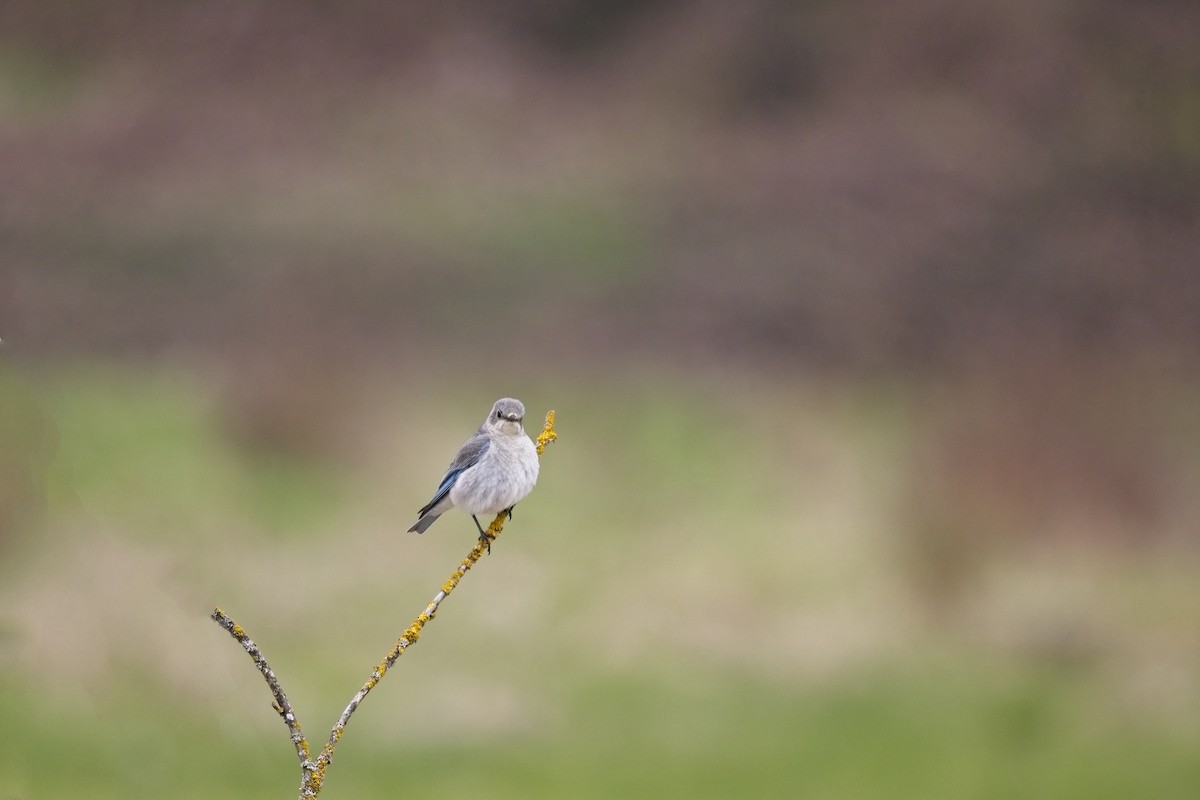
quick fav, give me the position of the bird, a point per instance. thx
(493, 471)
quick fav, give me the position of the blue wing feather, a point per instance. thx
(467, 457)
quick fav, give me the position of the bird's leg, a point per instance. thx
(509, 511)
(483, 537)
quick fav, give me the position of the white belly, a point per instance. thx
(504, 476)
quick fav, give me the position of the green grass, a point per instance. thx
(890, 733)
(670, 615)
(150, 451)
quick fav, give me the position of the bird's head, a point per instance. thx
(506, 417)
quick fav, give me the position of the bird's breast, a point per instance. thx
(504, 476)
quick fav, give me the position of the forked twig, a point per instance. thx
(313, 771)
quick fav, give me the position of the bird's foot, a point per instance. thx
(484, 536)
(509, 511)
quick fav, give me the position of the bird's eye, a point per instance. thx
(499, 414)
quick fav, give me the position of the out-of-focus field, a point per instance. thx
(697, 601)
(873, 329)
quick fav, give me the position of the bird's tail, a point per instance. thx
(422, 524)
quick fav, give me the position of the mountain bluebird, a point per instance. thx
(493, 471)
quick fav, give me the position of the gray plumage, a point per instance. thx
(494, 470)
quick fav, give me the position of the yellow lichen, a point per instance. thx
(315, 779)
(547, 435)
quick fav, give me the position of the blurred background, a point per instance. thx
(873, 330)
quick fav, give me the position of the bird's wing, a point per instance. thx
(468, 456)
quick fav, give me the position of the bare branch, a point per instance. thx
(313, 772)
(409, 637)
(281, 704)
(413, 632)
